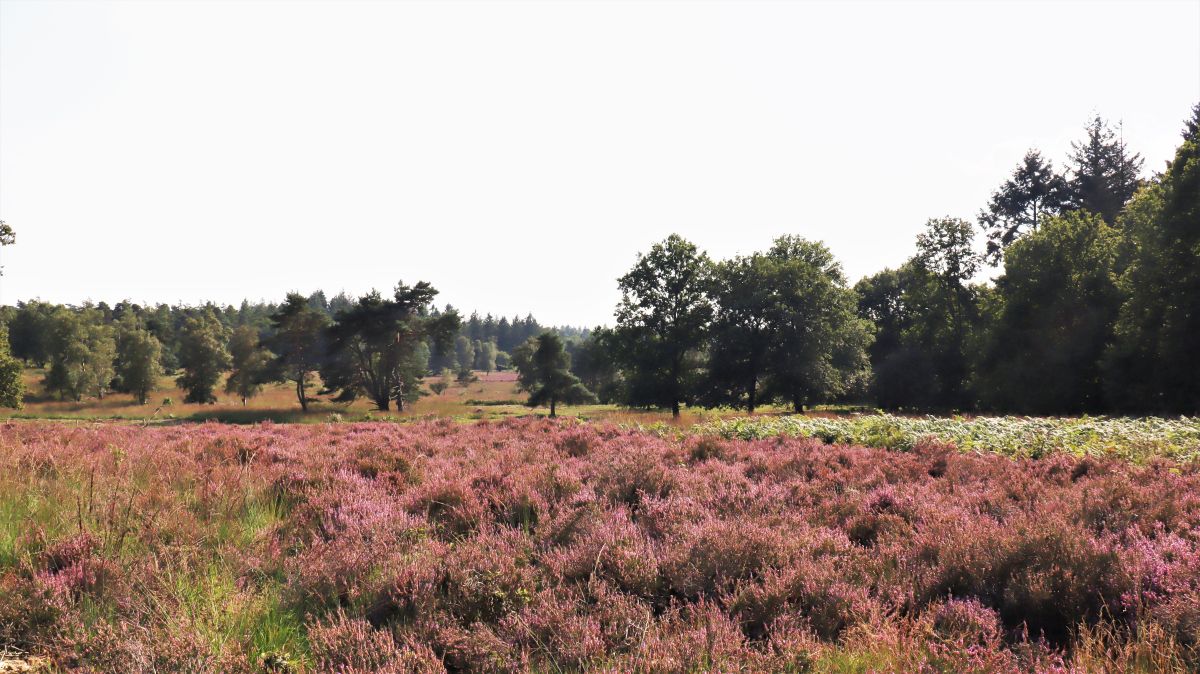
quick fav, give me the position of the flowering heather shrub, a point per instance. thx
(538, 546)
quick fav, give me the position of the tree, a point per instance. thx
(927, 319)
(298, 340)
(139, 360)
(884, 301)
(594, 362)
(661, 324)
(1058, 302)
(945, 308)
(544, 371)
(1153, 364)
(503, 360)
(485, 355)
(202, 356)
(1103, 175)
(742, 332)
(464, 353)
(12, 385)
(7, 238)
(250, 362)
(818, 344)
(29, 332)
(82, 352)
(380, 348)
(1022, 203)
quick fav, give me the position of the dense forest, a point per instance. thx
(1093, 307)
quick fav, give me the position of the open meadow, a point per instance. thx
(493, 396)
(536, 545)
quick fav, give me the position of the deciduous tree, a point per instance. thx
(662, 321)
(1153, 365)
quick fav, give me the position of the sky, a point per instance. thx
(518, 156)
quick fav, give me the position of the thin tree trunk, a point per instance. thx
(552, 408)
(675, 409)
(300, 394)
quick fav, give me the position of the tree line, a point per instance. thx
(1095, 308)
(321, 346)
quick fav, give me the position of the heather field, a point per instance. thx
(529, 545)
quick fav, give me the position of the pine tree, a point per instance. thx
(544, 371)
(1104, 176)
(1022, 202)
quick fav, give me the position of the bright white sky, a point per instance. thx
(518, 156)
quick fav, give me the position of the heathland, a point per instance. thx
(538, 545)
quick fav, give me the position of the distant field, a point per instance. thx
(494, 396)
(533, 546)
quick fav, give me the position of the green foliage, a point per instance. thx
(1104, 175)
(82, 351)
(544, 371)
(818, 344)
(12, 386)
(380, 348)
(485, 355)
(1138, 440)
(594, 361)
(139, 360)
(1022, 203)
(464, 353)
(1154, 363)
(1058, 300)
(298, 341)
(662, 321)
(250, 362)
(29, 331)
(927, 317)
(443, 382)
(203, 357)
(503, 360)
(743, 330)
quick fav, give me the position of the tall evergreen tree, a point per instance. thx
(544, 371)
(1103, 174)
(202, 356)
(1033, 192)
